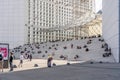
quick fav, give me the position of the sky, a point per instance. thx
(98, 5)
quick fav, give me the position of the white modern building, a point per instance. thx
(111, 26)
(28, 21)
(44, 15)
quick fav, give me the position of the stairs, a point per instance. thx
(95, 52)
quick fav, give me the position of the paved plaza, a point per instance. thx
(84, 71)
(42, 63)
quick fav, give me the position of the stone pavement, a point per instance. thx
(85, 71)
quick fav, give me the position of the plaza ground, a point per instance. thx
(42, 63)
(78, 71)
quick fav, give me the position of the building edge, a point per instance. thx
(119, 30)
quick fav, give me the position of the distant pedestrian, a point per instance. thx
(11, 61)
(21, 60)
(71, 45)
(49, 61)
(30, 57)
(26, 56)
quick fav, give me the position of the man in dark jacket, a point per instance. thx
(11, 61)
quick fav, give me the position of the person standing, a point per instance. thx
(71, 45)
(30, 56)
(21, 60)
(11, 61)
(49, 61)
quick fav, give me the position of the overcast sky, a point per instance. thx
(98, 5)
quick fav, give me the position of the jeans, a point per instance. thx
(49, 63)
(11, 66)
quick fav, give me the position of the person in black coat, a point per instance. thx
(11, 61)
(30, 57)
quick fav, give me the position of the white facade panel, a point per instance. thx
(12, 21)
(111, 25)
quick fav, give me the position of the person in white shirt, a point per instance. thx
(21, 60)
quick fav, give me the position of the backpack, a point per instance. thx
(1, 57)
